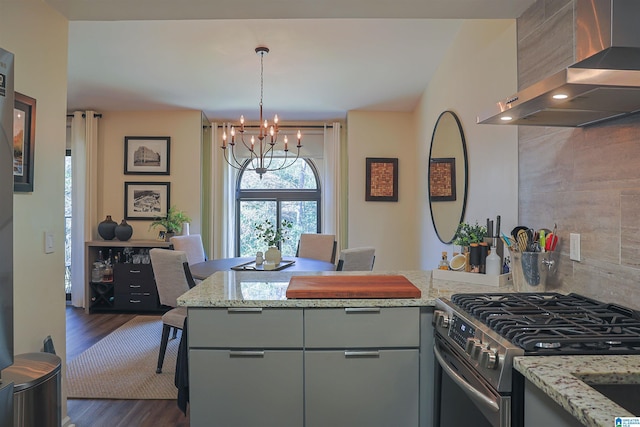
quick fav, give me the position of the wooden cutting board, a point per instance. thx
(328, 287)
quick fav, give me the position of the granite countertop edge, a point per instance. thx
(562, 379)
(222, 289)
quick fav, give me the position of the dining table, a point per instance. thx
(202, 270)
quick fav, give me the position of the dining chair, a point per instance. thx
(191, 245)
(317, 246)
(356, 259)
(173, 278)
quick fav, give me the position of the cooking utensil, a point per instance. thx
(523, 240)
(551, 243)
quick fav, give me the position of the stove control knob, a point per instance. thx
(489, 358)
(472, 347)
(441, 319)
(477, 347)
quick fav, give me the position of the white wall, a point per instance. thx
(37, 36)
(390, 227)
(185, 130)
(479, 69)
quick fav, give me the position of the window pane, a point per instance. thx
(304, 216)
(251, 213)
(298, 176)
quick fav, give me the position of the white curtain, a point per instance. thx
(84, 160)
(331, 182)
(223, 210)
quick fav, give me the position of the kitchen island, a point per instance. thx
(258, 358)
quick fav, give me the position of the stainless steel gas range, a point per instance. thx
(478, 335)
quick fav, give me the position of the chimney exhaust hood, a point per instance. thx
(602, 85)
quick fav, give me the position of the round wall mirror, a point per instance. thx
(447, 176)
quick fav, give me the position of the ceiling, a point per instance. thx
(327, 56)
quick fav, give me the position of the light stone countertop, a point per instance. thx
(562, 378)
(268, 289)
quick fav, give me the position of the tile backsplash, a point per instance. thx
(587, 180)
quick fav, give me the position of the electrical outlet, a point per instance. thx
(574, 246)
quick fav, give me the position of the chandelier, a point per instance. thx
(260, 152)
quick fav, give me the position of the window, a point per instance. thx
(292, 193)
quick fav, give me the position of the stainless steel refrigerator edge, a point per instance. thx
(6, 233)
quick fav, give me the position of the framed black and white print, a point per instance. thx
(146, 200)
(146, 155)
(24, 142)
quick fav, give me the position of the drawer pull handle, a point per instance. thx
(246, 354)
(350, 353)
(134, 286)
(244, 310)
(362, 310)
(134, 271)
(135, 301)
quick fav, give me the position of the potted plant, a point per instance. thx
(466, 234)
(172, 223)
(273, 236)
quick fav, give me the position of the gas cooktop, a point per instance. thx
(552, 323)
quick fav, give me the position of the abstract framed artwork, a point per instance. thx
(381, 179)
(24, 142)
(442, 179)
(147, 155)
(146, 200)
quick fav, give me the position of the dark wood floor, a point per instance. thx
(83, 331)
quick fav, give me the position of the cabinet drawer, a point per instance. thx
(368, 388)
(246, 388)
(371, 327)
(134, 278)
(136, 301)
(245, 328)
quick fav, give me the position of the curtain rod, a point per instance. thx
(84, 116)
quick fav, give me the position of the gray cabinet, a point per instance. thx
(542, 411)
(362, 367)
(313, 367)
(243, 388)
(246, 367)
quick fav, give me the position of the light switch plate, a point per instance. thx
(48, 242)
(574, 246)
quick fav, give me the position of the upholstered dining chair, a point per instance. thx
(191, 245)
(317, 246)
(356, 259)
(173, 278)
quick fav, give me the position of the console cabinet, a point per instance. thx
(312, 367)
(132, 286)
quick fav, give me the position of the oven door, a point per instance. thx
(462, 396)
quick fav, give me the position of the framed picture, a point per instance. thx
(146, 155)
(162, 236)
(442, 179)
(382, 180)
(146, 200)
(24, 142)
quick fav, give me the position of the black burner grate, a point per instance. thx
(552, 323)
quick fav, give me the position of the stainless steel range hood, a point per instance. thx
(603, 84)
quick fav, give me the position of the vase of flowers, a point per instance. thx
(273, 236)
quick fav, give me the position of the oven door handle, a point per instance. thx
(466, 387)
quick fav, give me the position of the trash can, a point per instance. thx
(36, 390)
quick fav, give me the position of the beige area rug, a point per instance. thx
(123, 364)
